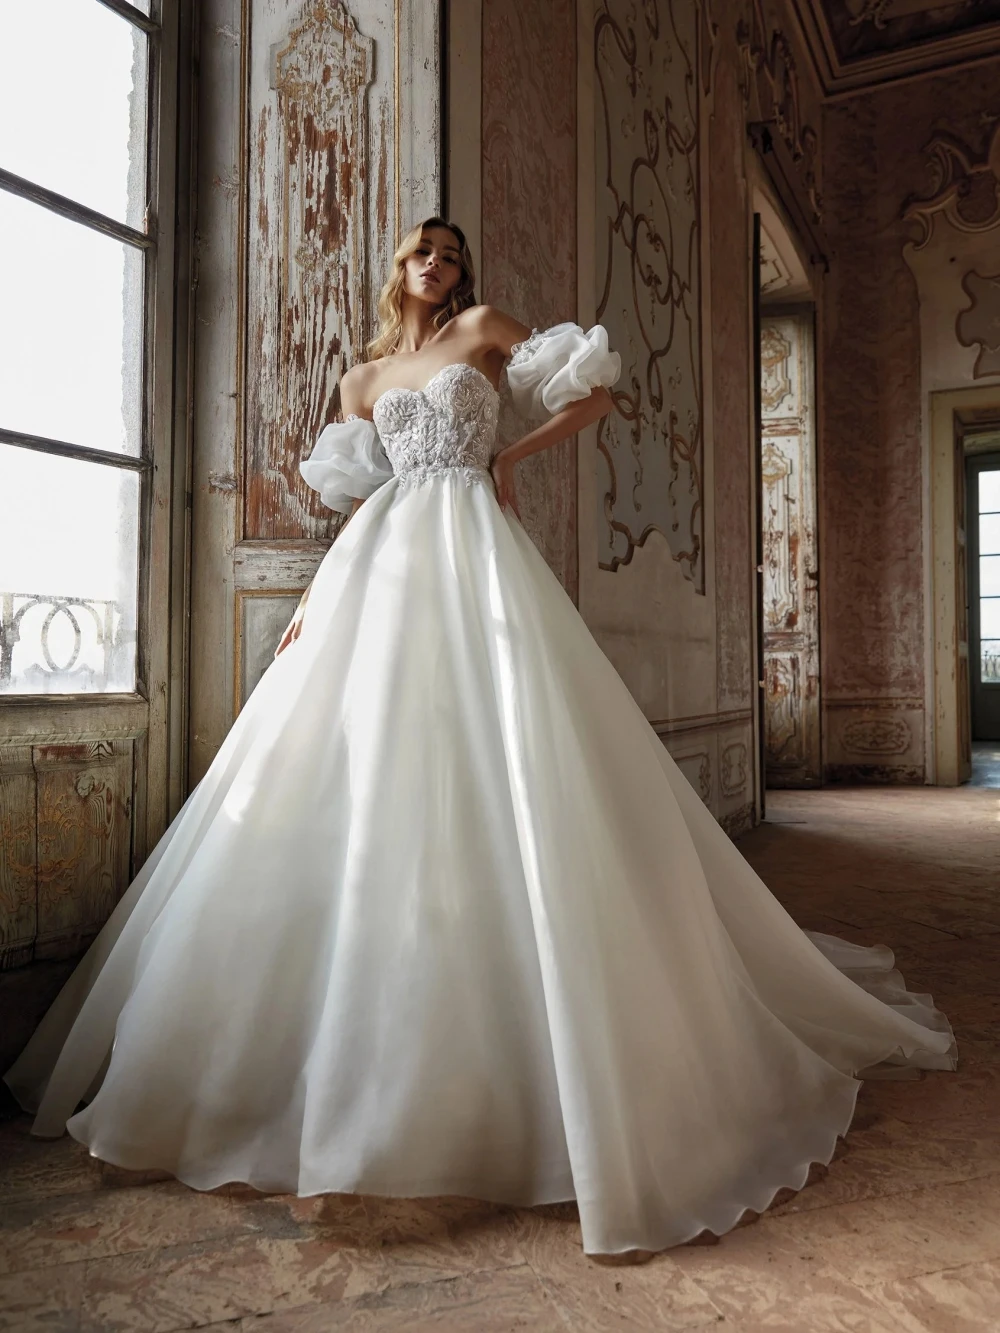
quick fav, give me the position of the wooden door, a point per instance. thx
(790, 573)
(321, 147)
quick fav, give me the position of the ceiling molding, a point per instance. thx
(915, 60)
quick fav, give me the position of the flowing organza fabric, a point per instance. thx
(444, 917)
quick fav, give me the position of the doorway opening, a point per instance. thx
(982, 506)
(965, 584)
(788, 563)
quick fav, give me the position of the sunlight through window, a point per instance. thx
(73, 277)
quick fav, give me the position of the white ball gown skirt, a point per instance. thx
(444, 917)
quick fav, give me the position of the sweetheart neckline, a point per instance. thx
(395, 388)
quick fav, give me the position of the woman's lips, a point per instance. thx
(429, 277)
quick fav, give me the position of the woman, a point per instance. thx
(444, 917)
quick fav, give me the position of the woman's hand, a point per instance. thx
(294, 628)
(292, 632)
(502, 470)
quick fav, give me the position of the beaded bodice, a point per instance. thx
(451, 423)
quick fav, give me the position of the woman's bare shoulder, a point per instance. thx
(355, 388)
(494, 326)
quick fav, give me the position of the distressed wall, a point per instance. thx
(612, 185)
(528, 263)
(677, 615)
(900, 168)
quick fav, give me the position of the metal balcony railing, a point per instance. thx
(64, 644)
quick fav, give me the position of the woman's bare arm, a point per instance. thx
(351, 404)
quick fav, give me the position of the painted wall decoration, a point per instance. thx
(965, 188)
(775, 377)
(979, 325)
(772, 93)
(866, 28)
(648, 229)
(889, 735)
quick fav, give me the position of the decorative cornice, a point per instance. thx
(839, 78)
(965, 190)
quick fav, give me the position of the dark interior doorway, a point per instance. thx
(983, 546)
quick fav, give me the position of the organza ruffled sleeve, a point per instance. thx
(559, 366)
(347, 464)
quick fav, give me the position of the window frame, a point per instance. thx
(147, 242)
(976, 596)
(155, 712)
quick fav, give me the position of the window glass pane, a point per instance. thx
(73, 102)
(989, 575)
(989, 617)
(989, 534)
(71, 332)
(990, 663)
(68, 562)
(989, 491)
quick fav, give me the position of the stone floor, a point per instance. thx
(986, 763)
(901, 1234)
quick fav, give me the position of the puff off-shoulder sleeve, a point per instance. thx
(558, 366)
(347, 464)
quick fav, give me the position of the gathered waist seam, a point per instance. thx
(421, 473)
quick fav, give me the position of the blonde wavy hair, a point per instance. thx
(390, 301)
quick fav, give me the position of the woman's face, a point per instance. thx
(434, 269)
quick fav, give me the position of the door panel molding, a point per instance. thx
(790, 550)
(321, 126)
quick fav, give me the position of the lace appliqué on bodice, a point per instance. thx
(449, 425)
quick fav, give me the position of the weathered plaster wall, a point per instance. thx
(654, 612)
(890, 337)
(678, 626)
(731, 424)
(528, 263)
(680, 633)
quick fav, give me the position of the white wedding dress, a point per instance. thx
(444, 917)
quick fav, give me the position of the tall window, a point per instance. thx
(989, 575)
(77, 245)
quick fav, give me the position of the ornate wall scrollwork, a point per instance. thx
(770, 73)
(781, 600)
(871, 11)
(965, 189)
(649, 279)
(889, 735)
(979, 324)
(733, 769)
(775, 379)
